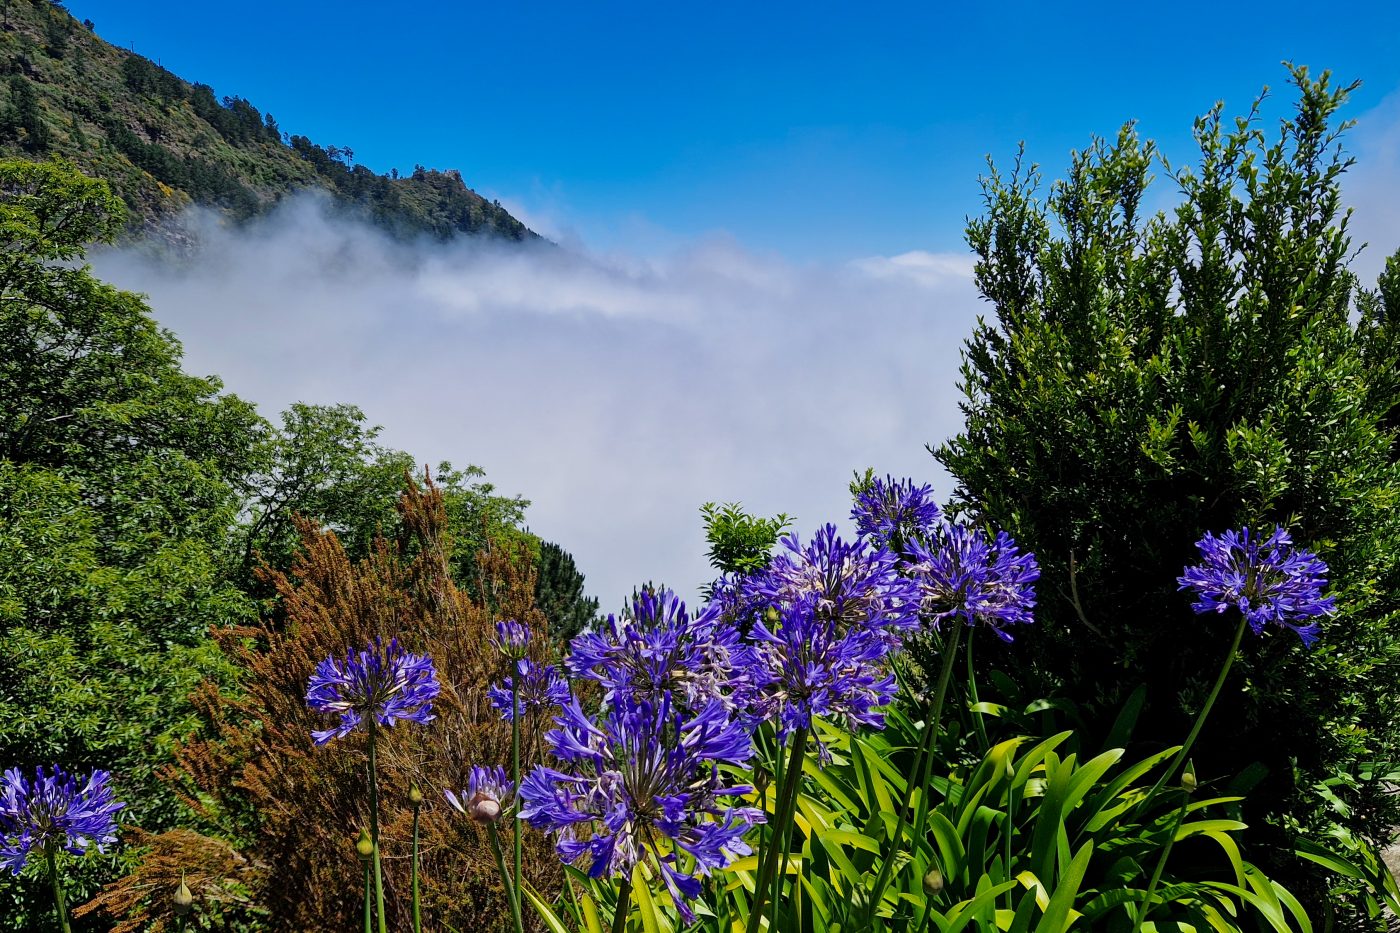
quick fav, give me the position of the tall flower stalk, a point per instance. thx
(1267, 582)
(374, 687)
(53, 811)
(835, 613)
(513, 641)
(415, 800)
(489, 794)
(965, 579)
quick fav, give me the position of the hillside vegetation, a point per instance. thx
(163, 143)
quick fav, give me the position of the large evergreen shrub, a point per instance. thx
(1150, 377)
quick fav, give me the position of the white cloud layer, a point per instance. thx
(619, 392)
(615, 392)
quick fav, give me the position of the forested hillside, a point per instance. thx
(163, 143)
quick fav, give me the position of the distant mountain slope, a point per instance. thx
(164, 143)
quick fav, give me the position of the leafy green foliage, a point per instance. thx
(117, 489)
(740, 542)
(1149, 378)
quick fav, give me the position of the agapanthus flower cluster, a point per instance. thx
(382, 681)
(660, 648)
(540, 687)
(54, 810)
(809, 666)
(489, 792)
(512, 638)
(643, 783)
(850, 584)
(893, 512)
(841, 610)
(1268, 581)
(962, 574)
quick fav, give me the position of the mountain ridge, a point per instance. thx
(164, 143)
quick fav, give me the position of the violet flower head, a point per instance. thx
(1267, 581)
(512, 638)
(643, 783)
(54, 810)
(383, 682)
(540, 688)
(963, 575)
(891, 512)
(659, 648)
(808, 665)
(851, 585)
(489, 792)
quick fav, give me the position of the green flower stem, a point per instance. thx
(786, 805)
(772, 889)
(923, 767)
(512, 898)
(58, 901)
(417, 908)
(369, 914)
(775, 784)
(515, 778)
(972, 694)
(1143, 909)
(1200, 718)
(374, 827)
(1010, 830)
(624, 905)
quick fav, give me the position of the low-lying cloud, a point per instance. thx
(617, 393)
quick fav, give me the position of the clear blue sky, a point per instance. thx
(813, 130)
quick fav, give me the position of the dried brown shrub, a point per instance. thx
(255, 765)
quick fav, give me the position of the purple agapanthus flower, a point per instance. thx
(643, 783)
(892, 513)
(808, 665)
(53, 811)
(541, 687)
(961, 574)
(1267, 581)
(512, 638)
(851, 584)
(381, 681)
(659, 648)
(489, 793)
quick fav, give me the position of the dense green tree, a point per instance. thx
(119, 481)
(559, 593)
(1148, 378)
(22, 118)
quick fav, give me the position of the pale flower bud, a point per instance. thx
(484, 809)
(933, 882)
(183, 899)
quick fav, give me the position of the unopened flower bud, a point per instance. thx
(415, 796)
(484, 809)
(365, 845)
(770, 615)
(1188, 780)
(933, 882)
(760, 780)
(183, 899)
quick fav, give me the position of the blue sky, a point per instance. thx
(818, 131)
